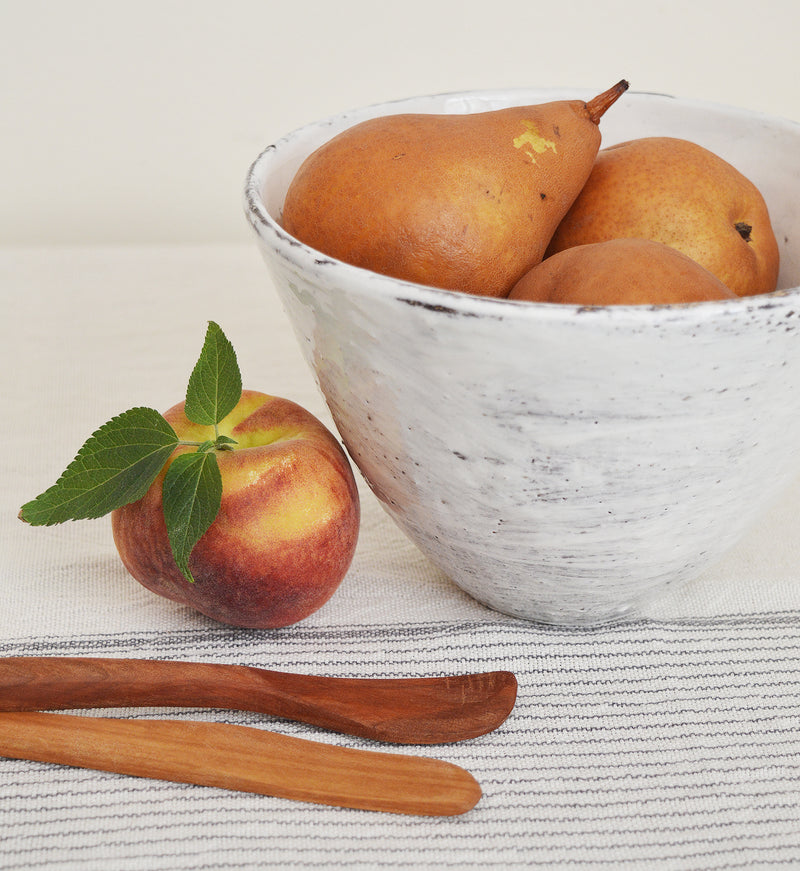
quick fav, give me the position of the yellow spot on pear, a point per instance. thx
(532, 141)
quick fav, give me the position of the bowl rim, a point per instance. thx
(454, 302)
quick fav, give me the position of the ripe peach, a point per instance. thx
(287, 527)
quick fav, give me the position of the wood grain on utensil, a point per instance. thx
(242, 758)
(428, 710)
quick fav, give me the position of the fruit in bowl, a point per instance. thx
(562, 462)
(620, 272)
(676, 192)
(473, 202)
(466, 202)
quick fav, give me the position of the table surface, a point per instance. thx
(668, 741)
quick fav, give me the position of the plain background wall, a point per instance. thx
(135, 122)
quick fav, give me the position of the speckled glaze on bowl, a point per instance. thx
(559, 464)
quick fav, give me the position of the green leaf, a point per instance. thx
(116, 465)
(191, 496)
(215, 385)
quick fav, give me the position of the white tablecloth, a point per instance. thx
(669, 741)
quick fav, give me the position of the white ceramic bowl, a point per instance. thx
(558, 464)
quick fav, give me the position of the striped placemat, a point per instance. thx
(649, 744)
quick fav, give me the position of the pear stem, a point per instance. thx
(597, 106)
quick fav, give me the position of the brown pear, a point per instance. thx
(463, 202)
(679, 193)
(620, 272)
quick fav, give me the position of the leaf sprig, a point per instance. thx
(117, 464)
